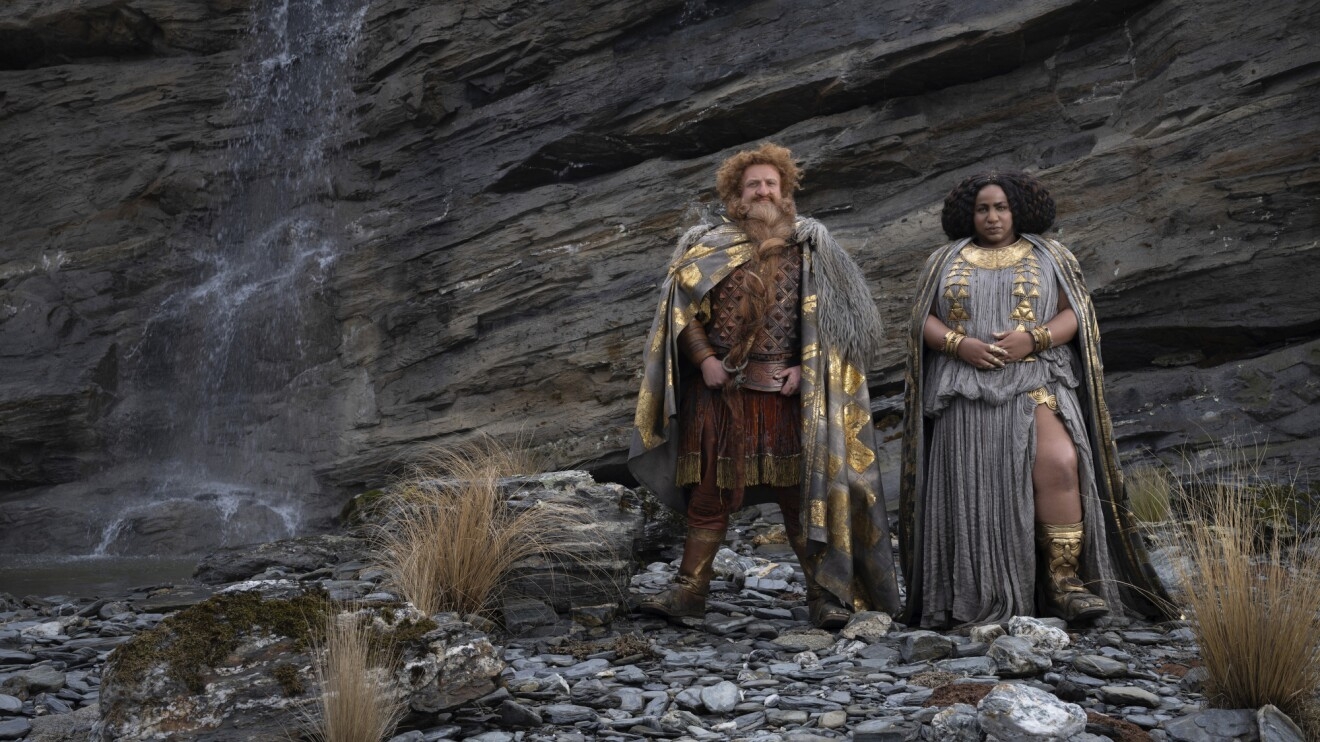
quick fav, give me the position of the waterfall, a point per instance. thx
(232, 366)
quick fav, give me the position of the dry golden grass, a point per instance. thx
(358, 701)
(450, 535)
(1148, 492)
(1251, 592)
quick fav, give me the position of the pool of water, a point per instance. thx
(89, 577)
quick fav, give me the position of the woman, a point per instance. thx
(1012, 499)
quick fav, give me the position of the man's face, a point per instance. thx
(760, 183)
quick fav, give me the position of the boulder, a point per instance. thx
(238, 665)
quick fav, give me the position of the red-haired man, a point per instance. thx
(754, 390)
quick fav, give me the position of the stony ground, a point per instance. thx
(753, 669)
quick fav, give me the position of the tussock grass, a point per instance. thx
(449, 534)
(1251, 589)
(1148, 489)
(358, 699)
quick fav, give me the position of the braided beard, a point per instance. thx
(763, 221)
(769, 226)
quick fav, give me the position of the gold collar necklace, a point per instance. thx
(996, 258)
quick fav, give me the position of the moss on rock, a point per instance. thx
(202, 636)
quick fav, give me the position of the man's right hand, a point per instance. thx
(713, 373)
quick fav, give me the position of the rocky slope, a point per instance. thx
(503, 192)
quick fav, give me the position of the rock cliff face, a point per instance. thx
(503, 190)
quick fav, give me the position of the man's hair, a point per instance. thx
(728, 180)
(1031, 204)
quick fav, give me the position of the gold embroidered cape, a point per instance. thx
(844, 515)
(1140, 586)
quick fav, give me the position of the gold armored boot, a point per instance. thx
(1062, 592)
(686, 596)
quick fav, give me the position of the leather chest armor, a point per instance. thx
(778, 341)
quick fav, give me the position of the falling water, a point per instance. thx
(233, 366)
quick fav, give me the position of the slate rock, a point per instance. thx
(17, 728)
(1127, 695)
(1100, 667)
(922, 646)
(1276, 726)
(1211, 725)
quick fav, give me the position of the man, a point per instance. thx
(754, 389)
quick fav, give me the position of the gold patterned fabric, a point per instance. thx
(843, 514)
(1047, 260)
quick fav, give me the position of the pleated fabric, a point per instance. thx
(978, 554)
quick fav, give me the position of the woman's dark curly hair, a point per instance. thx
(1031, 204)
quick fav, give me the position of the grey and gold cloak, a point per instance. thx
(1130, 575)
(843, 509)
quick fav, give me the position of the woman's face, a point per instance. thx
(992, 220)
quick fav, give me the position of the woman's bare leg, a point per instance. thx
(1054, 477)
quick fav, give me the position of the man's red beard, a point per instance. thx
(768, 224)
(769, 227)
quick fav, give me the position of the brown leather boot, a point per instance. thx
(1061, 590)
(825, 610)
(686, 596)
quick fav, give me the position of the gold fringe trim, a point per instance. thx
(689, 469)
(775, 471)
(764, 469)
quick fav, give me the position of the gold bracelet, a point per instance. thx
(1042, 338)
(952, 339)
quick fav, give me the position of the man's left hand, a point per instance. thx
(792, 378)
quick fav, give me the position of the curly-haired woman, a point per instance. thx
(1012, 500)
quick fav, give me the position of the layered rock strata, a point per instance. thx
(512, 176)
